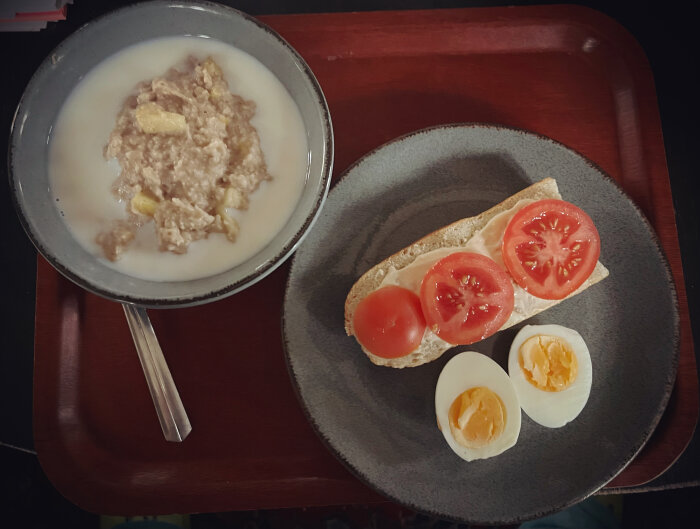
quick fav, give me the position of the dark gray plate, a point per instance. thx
(380, 422)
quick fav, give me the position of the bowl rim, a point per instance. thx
(201, 297)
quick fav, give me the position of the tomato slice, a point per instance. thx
(550, 247)
(389, 322)
(466, 297)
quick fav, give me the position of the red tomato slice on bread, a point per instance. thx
(466, 297)
(550, 247)
(389, 322)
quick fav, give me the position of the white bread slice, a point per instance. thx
(453, 235)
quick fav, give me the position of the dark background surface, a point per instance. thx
(666, 31)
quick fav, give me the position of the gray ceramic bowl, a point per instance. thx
(75, 57)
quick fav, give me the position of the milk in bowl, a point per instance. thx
(198, 234)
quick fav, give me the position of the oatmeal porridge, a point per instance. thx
(188, 152)
(187, 175)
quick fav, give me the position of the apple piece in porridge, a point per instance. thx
(188, 152)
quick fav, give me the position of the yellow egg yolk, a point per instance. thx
(477, 417)
(548, 362)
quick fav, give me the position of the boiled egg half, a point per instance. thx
(476, 406)
(551, 370)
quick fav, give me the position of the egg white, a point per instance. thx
(552, 409)
(467, 370)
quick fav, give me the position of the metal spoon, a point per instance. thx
(171, 413)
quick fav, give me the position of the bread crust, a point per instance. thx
(456, 234)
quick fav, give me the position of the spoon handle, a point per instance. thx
(171, 413)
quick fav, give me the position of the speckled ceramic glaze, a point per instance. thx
(87, 47)
(381, 422)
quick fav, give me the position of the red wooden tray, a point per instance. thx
(566, 72)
